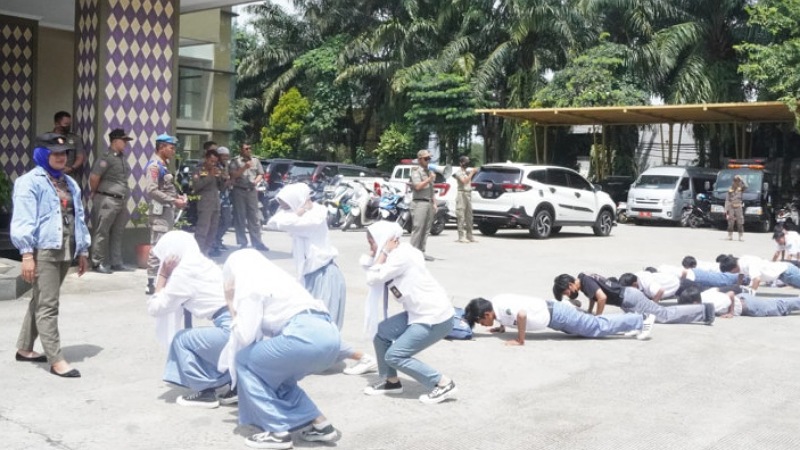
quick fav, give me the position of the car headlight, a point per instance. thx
(668, 202)
(717, 209)
(753, 211)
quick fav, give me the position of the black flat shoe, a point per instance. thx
(40, 358)
(71, 374)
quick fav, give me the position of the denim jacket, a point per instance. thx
(36, 222)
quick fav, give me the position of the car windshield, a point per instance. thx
(656, 182)
(498, 175)
(752, 180)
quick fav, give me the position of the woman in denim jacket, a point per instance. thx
(48, 228)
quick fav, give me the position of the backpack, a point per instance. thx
(461, 330)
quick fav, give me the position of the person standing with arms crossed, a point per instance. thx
(108, 183)
(76, 157)
(464, 200)
(162, 195)
(734, 207)
(206, 183)
(48, 228)
(423, 208)
(246, 172)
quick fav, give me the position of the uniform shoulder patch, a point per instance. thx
(153, 169)
(103, 163)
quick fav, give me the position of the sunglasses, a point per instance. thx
(427, 158)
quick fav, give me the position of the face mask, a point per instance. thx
(66, 129)
(573, 295)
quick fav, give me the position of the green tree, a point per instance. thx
(772, 65)
(443, 104)
(395, 144)
(281, 138)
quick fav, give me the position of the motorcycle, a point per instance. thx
(698, 214)
(622, 212)
(364, 207)
(788, 216)
(439, 219)
(338, 204)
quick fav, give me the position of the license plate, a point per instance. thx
(717, 209)
(646, 214)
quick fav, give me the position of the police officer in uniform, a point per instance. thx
(206, 182)
(226, 204)
(464, 200)
(77, 157)
(108, 182)
(162, 195)
(423, 208)
(246, 172)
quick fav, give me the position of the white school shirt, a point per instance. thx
(311, 247)
(792, 246)
(651, 283)
(200, 295)
(767, 271)
(676, 271)
(721, 302)
(507, 306)
(422, 297)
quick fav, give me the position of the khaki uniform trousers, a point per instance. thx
(205, 232)
(159, 226)
(246, 215)
(421, 221)
(109, 217)
(41, 320)
(464, 215)
(735, 215)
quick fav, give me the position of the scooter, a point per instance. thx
(364, 207)
(622, 212)
(698, 214)
(338, 204)
(439, 219)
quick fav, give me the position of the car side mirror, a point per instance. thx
(597, 188)
(707, 185)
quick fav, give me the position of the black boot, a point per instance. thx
(151, 286)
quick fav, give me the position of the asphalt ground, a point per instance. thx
(726, 386)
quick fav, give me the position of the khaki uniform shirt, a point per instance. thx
(77, 143)
(207, 186)
(114, 172)
(418, 174)
(159, 188)
(462, 187)
(247, 179)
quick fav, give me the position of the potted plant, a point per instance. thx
(5, 200)
(139, 218)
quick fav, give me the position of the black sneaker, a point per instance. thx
(439, 394)
(313, 434)
(229, 398)
(384, 388)
(151, 287)
(269, 440)
(203, 399)
(710, 313)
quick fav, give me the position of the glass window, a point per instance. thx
(656, 182)
(498, 175)
(191, 144)
(351, 171)
(557, 177)
(578, 182)
(540, 176)
(194, 94)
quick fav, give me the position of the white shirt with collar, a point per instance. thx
(766, 271)
(792, 243)
(312, 249)
(507, 306)
(650, 283)
(422, 297)
(721, 302)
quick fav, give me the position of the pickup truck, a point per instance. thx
(444, 188)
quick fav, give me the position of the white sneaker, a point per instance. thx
(439, 394)
(364, 365)
(647, 328)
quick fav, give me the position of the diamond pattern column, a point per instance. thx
(133, 62)
(17, 63)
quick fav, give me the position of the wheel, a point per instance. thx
(604, 224)
(765, 226)
(622, 217)
(555, 230)
(347, 222)
(437, 227)
(695, 221)
(542, 224)
(487, 229)
(405, 221)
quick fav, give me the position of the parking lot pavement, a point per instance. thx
(727, 386)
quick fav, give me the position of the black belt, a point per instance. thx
(108, 194)
(422, 200)
(219, 312)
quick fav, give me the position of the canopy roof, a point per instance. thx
(642, 115)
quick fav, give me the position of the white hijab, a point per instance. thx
(192, 265)
(295, 196)
(375, 308)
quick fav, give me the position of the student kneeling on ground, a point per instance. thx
(729, 304)
(534, 314)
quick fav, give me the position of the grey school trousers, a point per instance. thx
(634, 300)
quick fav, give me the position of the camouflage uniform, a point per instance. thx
(160, 192)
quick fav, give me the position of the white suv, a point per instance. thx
(539, 198)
